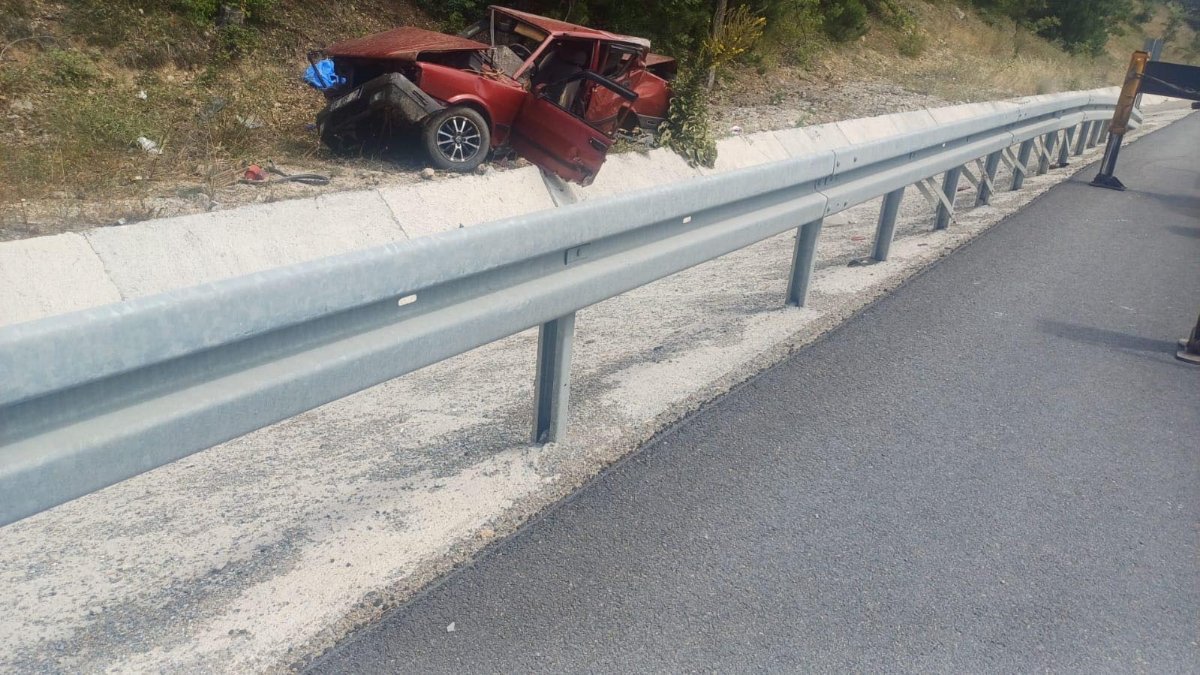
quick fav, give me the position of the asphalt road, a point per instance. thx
(996, 468)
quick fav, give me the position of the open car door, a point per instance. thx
(560, 141)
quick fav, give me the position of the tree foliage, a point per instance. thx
(1081, 26)
(687, 130)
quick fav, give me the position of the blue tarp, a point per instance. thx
(321, 75)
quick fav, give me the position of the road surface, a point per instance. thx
(996, 468)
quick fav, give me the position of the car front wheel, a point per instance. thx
(457, 139)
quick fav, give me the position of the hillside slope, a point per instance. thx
(82, 80)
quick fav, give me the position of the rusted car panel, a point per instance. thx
(562, 28)
(552, 91)
(553, 139)
(498, 98)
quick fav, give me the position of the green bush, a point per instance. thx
(204, 11)
(912, 42)
(687, 130)
(792, 35)
(1080, 26)
(15, 18)
(844, 20)
(235, 41)
(71, 69)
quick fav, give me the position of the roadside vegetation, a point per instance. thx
(215, 85)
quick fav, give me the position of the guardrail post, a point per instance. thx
(1064, 150)
(1048, 143)
(886, 230)
(1022, 165)
(1103, 137)
(1094, 136)
(803, 259)
(552, 383)
(1081, 142)
(950, 189)
(990, 165)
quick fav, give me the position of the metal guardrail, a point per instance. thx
(91, 398)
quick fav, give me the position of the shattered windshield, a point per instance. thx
(512, 41)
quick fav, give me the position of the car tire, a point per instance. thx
(457, 139)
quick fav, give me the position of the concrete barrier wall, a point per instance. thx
(52, 275)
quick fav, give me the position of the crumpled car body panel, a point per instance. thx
(521, 106)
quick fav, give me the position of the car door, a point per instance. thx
(617, 63)
(562, 142)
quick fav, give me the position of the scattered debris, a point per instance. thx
(735, 130)
(428, 173)
(250, 122)
(142, 96)
(21, 105)
(256, 175)
(858, 237)
(230, 15)
(487, 533)
(148, 146)
(451, 628)
(214, 108)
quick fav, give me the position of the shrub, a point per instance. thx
(792, 34)
(15, 18)
(71, 69)
(235, 41)
(844, 20)
(912, 42)
(204, 11)
(687, 130)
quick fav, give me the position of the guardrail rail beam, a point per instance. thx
(91, 398)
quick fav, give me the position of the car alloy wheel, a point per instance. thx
(458, 139)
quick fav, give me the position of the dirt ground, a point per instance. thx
(803, 101)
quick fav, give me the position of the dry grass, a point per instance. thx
(74, 111)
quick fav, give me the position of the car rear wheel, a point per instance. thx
(457, 139)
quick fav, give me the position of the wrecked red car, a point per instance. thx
(552, 92)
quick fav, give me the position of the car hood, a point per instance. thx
(403, 44)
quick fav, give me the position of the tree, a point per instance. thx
(718, 24)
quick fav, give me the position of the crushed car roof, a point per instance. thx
(556, 27)
(403, 44)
